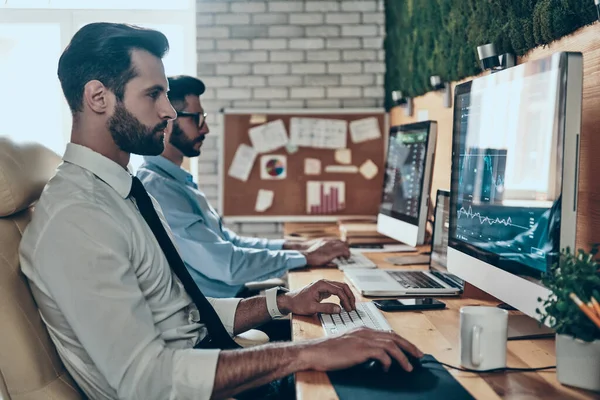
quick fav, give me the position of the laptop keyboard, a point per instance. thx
(356, 260)
(366, 314)
(415, 280)
(447, 279)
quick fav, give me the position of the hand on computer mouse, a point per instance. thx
(375, 365)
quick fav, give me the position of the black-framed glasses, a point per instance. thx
(199, 118)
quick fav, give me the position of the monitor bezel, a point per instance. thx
(440, 194)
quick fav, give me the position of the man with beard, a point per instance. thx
(220, 261)
(124, 314)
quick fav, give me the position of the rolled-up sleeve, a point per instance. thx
(226, 309)
(107, 311)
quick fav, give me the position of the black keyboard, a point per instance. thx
(415, 280)
(447, 279)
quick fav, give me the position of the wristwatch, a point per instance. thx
(271, 296)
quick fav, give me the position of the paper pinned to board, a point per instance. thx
(242, 163)
(343, 156)
(368, 169)
(364, 129)
(341, 169)
(273, 167)
(325, 197)
(318, 132)
(258, 119)
(264, 200)
(268, 137)
(312, 166)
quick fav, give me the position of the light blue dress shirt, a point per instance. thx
(219, 260)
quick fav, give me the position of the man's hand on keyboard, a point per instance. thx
(327, 251)
(307, 301)
(356, 347)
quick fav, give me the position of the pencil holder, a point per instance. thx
(578, 362)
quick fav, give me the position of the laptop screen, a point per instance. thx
(439, 242)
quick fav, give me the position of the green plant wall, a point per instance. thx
(440, 37)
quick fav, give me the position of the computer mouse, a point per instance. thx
(375, 365)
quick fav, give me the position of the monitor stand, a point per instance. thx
(523, 327)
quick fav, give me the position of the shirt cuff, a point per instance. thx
(295, 259)
(275, 244)
(194, 373)
(226, 309)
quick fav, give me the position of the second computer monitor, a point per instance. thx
(407, 182)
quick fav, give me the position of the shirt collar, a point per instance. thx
(104, 168)
(170, 168)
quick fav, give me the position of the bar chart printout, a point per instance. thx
(325, 197)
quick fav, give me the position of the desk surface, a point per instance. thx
(436, 332)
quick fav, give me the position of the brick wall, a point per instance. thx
(285, 54)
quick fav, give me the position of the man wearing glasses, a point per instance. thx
(219, 260)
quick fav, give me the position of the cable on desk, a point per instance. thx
(503, 369)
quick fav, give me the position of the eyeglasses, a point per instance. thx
(199, 118)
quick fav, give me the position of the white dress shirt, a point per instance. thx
(119, 317)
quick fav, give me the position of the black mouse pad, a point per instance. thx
(430, 381)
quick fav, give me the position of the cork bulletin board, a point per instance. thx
(362, 196)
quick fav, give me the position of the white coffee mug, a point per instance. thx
(483, 332)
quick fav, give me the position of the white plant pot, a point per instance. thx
(578, 362)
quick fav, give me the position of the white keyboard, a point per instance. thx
(366, 314)
(356, 260)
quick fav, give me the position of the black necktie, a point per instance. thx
(217, 333)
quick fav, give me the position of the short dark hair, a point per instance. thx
(181, 86)
(102, 51)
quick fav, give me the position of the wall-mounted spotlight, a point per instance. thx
(489, 58)
(444, 87)
(597, 2)
(404, 102)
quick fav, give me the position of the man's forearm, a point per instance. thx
(252, 312)
(240, 370)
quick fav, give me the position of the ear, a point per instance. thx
(97, 97)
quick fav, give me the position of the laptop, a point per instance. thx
(434, 282)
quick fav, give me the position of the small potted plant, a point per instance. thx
(577, 336)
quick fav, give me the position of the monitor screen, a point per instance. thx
(404, 170)
(439, 242)
(507, 168)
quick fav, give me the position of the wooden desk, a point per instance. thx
(436, 332)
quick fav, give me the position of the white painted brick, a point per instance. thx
(249, 81)
(382, 30)
(344, 68)
(210, 155)
(286, 6)
(285, 81)
(307, 93)
(269, 44)
(323, 103)
(323, 55)
(205, 20)
(312, 43)
(212, 32)
(359, 55)
(343, 92)
(322, 6)
(358, 80)
(373, 18)
(381, 55)
(255, 227)
(380, 5)
(289, 56)
(359, 103)
(286, 31)
(233, 44)
(210, 191)
(210, 142)
(248, 31)
(270, 69)
(203, 69)
(234, 69)
(205, 44)
(359, 30)
(206, 179)
(359, 5)
(234, 93)
(214, 57)
(249, 7)
(286, 104)
(205, 7)
(323, 31)
(343, 43)
(215, 106)
(342, 18)
(270, 93)
(375, 67)
(270, 19)
(380, 80)
(250, 104)
(321, 80)
(209, 94)
(373, 92)
(232, 19)
(372, 43)
(271, 235)
(308, 68)
(207, 167)
(307, 19)
(250, 56)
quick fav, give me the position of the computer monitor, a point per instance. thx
(513, 194)
(407, 182)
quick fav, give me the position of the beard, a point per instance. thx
(132, 136)
(180, 141)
